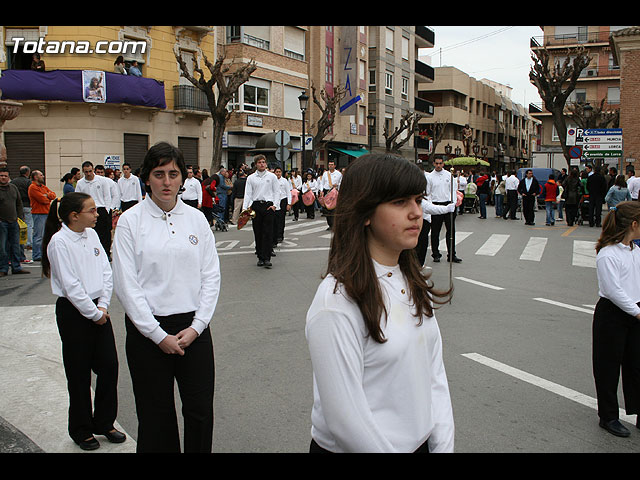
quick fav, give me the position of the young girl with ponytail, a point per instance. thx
(616, 330)
(75, 261)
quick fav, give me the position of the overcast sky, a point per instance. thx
(501, 54)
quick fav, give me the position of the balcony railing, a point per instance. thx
(425, 37)
(569, 39)
(424, 70)
(423, 106)
(188, 97)
(68, 86)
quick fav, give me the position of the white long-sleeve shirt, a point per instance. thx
(80, 270)
(325, 184)
(296, 182)
(439, 186)
(129, 189)
(284, 188)
(261, 186)
(192, 190)
(371, 397)
(165, 263)
(511, 183)
(428, 209)
(101, 190)
(618, 271)
(310, 185)
(633, 184)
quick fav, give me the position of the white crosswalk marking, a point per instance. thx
(321, 228)
(493, 244)
(584, 254)
(534, 249)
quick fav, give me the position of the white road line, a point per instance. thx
(565, 305)
(282, 250)
(534, 249)
(475, 282)
(312, 230)
(544, 384)
(220, 246)
(584, 254)
(298, 224)
(460, 236)
(493, 244)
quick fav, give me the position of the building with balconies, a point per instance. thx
(502, 131)
(63, 122)
(599, 81)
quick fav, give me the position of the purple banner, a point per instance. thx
(67, 85)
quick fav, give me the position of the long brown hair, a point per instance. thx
(617, 223)
(369, 181)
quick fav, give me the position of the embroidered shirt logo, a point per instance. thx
(193, 239)
(96, 252)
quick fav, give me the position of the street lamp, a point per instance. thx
(304, 103)
(371, 121)
(587, 112)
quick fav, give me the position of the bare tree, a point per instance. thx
(555, 82)
(599, 118)
(226, 78)
(327, 105)
(408, 123)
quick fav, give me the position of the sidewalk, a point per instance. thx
(33, 387)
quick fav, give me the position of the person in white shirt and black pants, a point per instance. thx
(284, 188)
(441, 192)
(100, 189)
(616, 318)
(167, 277)
(262, 195)
(379, 382)
(192, 190)
(81, 278)
(330, 179)
(129, 188)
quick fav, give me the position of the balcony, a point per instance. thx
(424, 72)
(425, 37)
(567, 40)
(423, 106)
(189, 98)
(67, 86)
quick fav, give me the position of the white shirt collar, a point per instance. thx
(75, 236)
(156, 211)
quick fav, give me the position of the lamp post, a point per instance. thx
(304, 103)
(371, 121)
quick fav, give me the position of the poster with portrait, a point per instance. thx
(94, 88)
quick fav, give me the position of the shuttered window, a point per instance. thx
(189, 148)
(135, 148)
(24, 148)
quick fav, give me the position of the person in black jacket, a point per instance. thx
(597, 188)
(237, 195)
(529, 188)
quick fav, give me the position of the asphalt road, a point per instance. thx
(517, 345)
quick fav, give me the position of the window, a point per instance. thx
(372, 80)
(405, 88)
(388, 83)
(405, 48)
(294, 42)
(328, 66)
(256, 99)
(613, 95)
(389, 39)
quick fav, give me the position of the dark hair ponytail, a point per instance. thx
(617, 223)
(59, 212)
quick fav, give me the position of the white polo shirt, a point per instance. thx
(80, 270)
(192, 190)
(262, 186)
(165, 263)
(130, 189)
(101, 190)
(618, 270)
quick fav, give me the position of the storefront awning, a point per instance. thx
(352, 153)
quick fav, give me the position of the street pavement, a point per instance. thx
(516, 335)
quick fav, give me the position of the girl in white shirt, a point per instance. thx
(616, 330)
(310, 184)
(167, 277)
(80, 275)
(378, 374)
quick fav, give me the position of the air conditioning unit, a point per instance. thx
(592, 72)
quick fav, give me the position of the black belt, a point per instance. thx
(442, 203)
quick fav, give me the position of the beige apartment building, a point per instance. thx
(600, 80)
(502, 132)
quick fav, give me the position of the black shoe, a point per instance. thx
(261, 263)
(114, 436)
(267, 264)
(436, 259)
(484, 218)
(89, 444)
(615, 427)
(455, 259)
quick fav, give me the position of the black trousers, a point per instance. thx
(512, 204)
(616, 346)
(192, 203)
(529, 208)
(153, 374)
(124, 206)
(595, 211)
(315, 448)
(278, 224)
(262, 226)
(423, 242)
(87, 347)
(296, 207)
(436, 226)
(103, 229)
(572, 212)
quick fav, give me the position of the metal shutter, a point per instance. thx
(189, 148)
(24, 148)
(135, 148)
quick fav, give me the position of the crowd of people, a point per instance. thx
(165, 271)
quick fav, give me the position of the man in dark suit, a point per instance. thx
(597, 188)
(529, 188)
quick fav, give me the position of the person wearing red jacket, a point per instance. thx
(40, 198)
(550, 192)
(208, 198)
